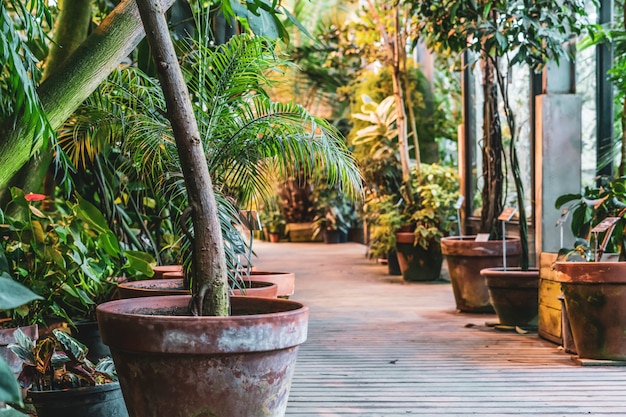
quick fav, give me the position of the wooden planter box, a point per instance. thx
(550, 309)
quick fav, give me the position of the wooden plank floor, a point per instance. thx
(381, 347)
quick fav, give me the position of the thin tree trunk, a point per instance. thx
(492, 155)
(209, 273)
(73, 82)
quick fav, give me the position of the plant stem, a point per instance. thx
(209, 272)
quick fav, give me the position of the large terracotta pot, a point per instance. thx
(417, 263)
(176, 365)
(151, 288)
(595, 297)
(514, 295)
(466, 258)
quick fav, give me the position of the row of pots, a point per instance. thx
(594, 293)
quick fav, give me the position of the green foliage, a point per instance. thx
(502, 32)
(430, 215)
(437, 191)
(12, 293)
(383, 217)
(527, 32)
(9, 388)
(375, 146)
(246, 137)
(271, 217)
(68, 257)
(22, 45)
(589, 209)
(59, 362)
(433, 121)
(333, 211)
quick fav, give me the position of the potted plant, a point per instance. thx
(62, 381)
(233, 357)
(502, 35)
(272, 220)
(594, 287)
(414, 229)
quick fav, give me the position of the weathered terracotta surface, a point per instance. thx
(159, 270)
(466, 258)
(175, 365)
(151, 288)
(286, 281)
(595, 296)
(514, 295)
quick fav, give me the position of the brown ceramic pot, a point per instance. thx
(176, 365)
(466, 258)
(159, 270)
(151, 288)
(514, 295)
(595, 299)
(416, 263)
(286, 281)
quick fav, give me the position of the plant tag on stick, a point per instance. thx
(482, 237)
(507, 214)
(459, 202)
(605, 224)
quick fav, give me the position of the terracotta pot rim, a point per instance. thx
(472, 238)
(512, 269)
(590, 272)
(280, 325)
(109, 386)
(131, 306)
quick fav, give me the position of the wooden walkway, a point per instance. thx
(381, 347)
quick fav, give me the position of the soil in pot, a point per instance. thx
(514, 295)
(175, 365)
(466, 258)
(151, 288)
(99, 401)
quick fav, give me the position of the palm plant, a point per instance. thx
(245, 135)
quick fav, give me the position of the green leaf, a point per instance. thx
(263, 24)
(566, 198)
(296, 22)
(141, 262)
(71, 346)
(110, 244)
(90, 213)
(9, 388)
(13, 294)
